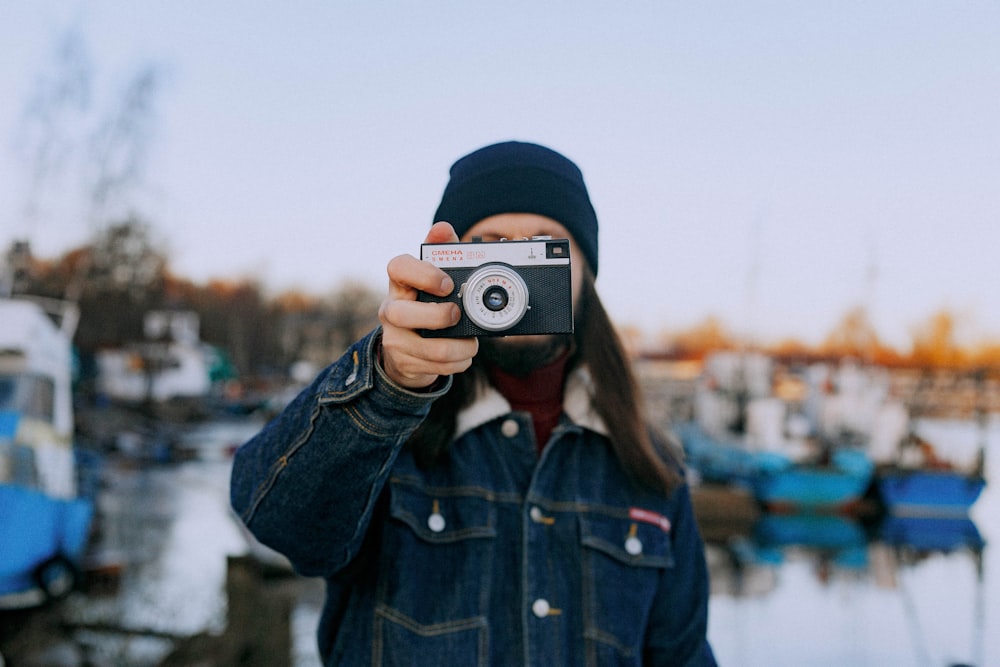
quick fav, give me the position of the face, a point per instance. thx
(518, 354)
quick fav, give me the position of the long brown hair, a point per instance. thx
(651, 458)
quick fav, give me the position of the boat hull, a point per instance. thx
(929, 492)
(810, 488)
(774, 479)
(43, 540)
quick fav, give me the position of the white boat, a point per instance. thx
(44, 523)
(172, 363)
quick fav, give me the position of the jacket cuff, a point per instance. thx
(358, 372)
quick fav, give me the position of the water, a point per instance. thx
(874, 607)
(171, 530)
(859, 605)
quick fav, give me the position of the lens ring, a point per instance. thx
(483, 309)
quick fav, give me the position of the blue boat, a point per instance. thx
(44, 523)
(919, 480)
(780, 483)
(751, 432)
(775, 480)
(929, 493)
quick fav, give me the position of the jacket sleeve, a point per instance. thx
(677, 634)
(308, 483)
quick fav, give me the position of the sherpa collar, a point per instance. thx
(490, 404)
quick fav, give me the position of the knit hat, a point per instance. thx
(517, 177)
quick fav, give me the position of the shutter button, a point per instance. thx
(510, 428)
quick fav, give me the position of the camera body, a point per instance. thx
(505, 288)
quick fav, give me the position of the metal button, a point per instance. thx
(540, 608)
(634, 546)
(435, 522)
(538, 516)
(510, 428)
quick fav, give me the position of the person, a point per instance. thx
(491, 501)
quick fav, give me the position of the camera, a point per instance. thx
(505, 288)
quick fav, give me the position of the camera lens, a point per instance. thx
(495, 298)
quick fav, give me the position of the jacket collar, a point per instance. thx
(490, 404)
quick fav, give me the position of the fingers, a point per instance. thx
(408, 314)
(407, 274)
(413, 361)
(408, 358)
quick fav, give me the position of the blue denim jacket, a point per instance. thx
(496, 557)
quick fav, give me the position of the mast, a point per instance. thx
(982, 418)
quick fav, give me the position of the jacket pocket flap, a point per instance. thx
(630, 542)
(442, 518)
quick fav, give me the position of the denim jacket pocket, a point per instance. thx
(440, 540)
(623, 561)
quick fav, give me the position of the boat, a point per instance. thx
(915, 474)
(776, 480)
(751, 428)
(44, 522)
(928, 493)
(171, 364)
(856, 404)
(920, 483)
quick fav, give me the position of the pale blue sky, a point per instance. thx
(840, 152)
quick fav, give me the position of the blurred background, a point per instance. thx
(798, 210)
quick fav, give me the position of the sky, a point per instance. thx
(773, 164)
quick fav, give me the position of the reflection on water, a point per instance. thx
(786, 590)
(794, 590)
(173, 526)
(169, 529)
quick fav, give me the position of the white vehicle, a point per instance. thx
(43, 523)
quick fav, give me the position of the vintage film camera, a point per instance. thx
(505, 288)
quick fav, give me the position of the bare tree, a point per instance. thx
(60, 131)
(49, 136)
(120, 144)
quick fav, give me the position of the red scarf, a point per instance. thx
(540, 393)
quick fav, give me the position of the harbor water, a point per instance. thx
(874, 602)
(168, 530)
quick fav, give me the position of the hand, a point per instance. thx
(408, 358)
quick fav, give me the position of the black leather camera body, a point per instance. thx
(505, 288)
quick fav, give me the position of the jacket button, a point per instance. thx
(538, 516)
(540, 608)
(510, 428)
(435, 522)
(633, 546)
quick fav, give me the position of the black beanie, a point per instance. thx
(517, 177)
